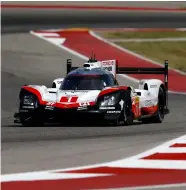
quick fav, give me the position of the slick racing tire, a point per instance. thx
(159, 117)
(126, 116)
(127, 109)
(161, 104)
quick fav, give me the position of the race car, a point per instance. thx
(92, 92)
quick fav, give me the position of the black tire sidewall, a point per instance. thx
(127, 118)
(160, 115)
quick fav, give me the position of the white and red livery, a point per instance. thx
(92, 91)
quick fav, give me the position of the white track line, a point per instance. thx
(40, 176)
(159, 148)
(173, 150)
(39, 35)
(131, 162)
(149, 164)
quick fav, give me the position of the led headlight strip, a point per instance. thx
(28, 100)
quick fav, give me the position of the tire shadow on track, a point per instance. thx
(54, 134)
(86, 124)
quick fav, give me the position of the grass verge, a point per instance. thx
(129, 35)
(175, 52)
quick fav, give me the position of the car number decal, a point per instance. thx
(69, 99)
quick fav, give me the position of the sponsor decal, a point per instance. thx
(73, 91)
(81, 108)
(141, 82)
(137, 99)
(50, 103)
(84, 104)
(136, 107)
(108, 68)
(108, 63)
(49, 107)
(107, 108)
(137, 110)
(153, 86)
(148, 103)
(114, 111)
(28, 107)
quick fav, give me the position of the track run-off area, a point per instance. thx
(48, 149)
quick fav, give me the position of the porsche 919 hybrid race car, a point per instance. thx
(92, 91)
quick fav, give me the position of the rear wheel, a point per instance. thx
(161, 104)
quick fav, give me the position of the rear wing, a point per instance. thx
(112, 66)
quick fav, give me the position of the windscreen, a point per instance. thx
(88, 82)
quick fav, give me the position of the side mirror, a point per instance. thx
(57, 83)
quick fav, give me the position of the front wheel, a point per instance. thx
(127, 109)
(126, 116)
(34, 119)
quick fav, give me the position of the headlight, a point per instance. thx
(28, 100)
(110, 100)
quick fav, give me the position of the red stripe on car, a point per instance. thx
(107, 91)
(36, 93)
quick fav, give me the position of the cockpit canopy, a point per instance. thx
(88, 81)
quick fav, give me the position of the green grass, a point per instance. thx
(129, 35)
(175, 52)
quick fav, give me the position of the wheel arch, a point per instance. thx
(24, 92)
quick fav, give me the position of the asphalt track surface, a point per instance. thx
(27, 59)
(22, 20)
